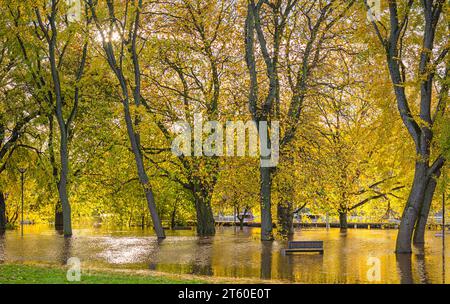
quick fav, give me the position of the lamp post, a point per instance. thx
(443, 237)
(443, 215)
(22, 178)
(443, 230)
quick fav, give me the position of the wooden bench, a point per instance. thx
(304, 246)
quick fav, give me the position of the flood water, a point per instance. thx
(352, 258)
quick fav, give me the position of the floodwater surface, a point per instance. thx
(359, 256)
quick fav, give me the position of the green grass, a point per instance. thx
(27, 274)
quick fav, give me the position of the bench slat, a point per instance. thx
(292, 251)
(305, 244)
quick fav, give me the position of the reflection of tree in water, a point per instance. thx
(421, 264)
(286, 265)
(405, 267)
(404, 263)
(66, 250)
(341, 259)
(308, 267)
(421, 268)
(202, 259)
(266, 260)
(153, 254)
(443, 259)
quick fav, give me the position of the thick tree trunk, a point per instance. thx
(343, 221)
(404, 264)
(62, 185)
(285, 219)
(419, 231)
(411, 212)
(205, 217)
(266, 204)
(2, 213)
(59, 223)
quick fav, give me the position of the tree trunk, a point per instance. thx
(62, 186)
(343, 221)
(2, 213)
(242, 218)
(419, 231)
(59, 223)
(205, 217)
(133, 135)
(173, 217)
(63, 149)
(63, 128)
(143, 177)
(410, 214)
(285, 219)
(241, 223)
(266, 204)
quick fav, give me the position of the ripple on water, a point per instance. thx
(234, 253)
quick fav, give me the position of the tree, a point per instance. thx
(349, 127)
(47, 30)
(17, 110)
(400, 40)
(188, 71)
(302, 27)
(128, 32)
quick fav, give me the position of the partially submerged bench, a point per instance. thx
(304, 246)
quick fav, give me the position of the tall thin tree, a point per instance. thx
(128, 46)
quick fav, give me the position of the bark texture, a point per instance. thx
(411, 212)
(59, 223)
(419, 231)
(205, 217)
(343, 224)
(2, 213)
(266, 204)
(285, 216)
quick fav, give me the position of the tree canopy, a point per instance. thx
(91, 92)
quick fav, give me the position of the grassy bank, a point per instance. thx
(29, 274)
